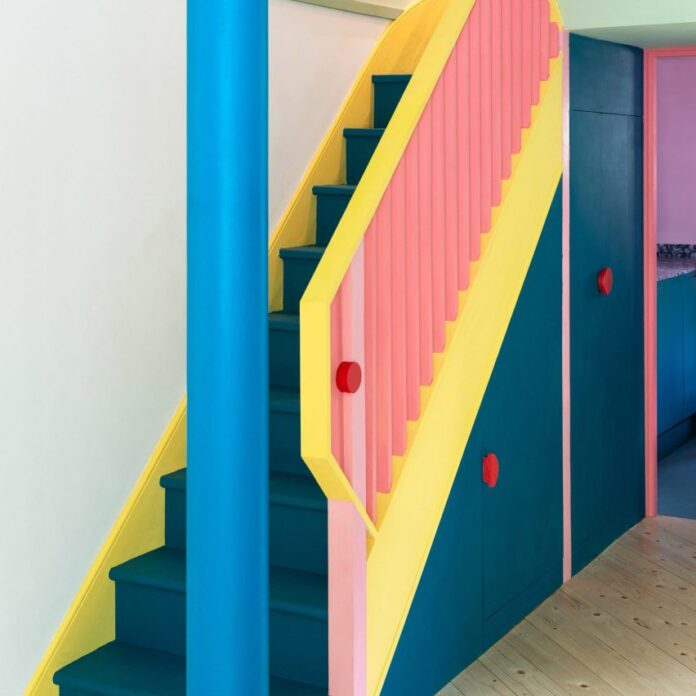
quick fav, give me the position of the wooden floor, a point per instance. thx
(624, 625)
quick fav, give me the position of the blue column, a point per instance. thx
(227, 480)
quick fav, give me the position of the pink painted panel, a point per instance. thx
(486, 115)
(451, 187)
(424, 137)
(545, 40)
(413, 341)
(517, 29)
(496, 102)
(371, 368)
(398, 308)
(461, 52)
(536, 49)
(527, 53)
(507, 88)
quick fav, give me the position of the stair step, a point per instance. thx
(174, 485)
(151, 600)
(361, 144)
(299, 264)
(297, 524)
(284, 350)
(284, 432)
(388, 90)
(332, 202)
(299, 626)
(124, 670)
(283, 687)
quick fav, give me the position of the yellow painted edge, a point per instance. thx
(89, 622)
(398, 51)
(399, 553)
(383, 10)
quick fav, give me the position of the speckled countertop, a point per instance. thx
(673, 267)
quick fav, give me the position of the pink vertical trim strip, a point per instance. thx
(507, 88)
(650, 281)
(384, 340)
(464, 172)
(398, 311)
(527, 53)
(536, 50)
(486, 116)
(451, 187)
(438, 217)
(371, 368)
(565, 324)
(545, 40)
(424, 133)
(413, 339)
(475, 152)
(496, 103)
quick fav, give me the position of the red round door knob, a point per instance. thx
(348, 377)
(491, 470)
(605, 281)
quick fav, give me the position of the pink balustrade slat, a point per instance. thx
(418, 249)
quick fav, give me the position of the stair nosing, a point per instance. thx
(122, 574)
(345, 190)
(303, 253)
(375, 133)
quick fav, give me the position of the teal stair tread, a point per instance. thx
(119, 669)
(299, 592)
(334, 190)
(295, 491)
(303, 252)
(163, 568)
(363, 132)
(283, 687)
(174, 481)
(284, 321)
(391, 78)
(284, 399)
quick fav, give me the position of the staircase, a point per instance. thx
(148, 655)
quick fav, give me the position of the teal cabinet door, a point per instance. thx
(689, 300)
(670, 353)
(606, 331)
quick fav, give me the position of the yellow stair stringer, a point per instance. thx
(406, 533)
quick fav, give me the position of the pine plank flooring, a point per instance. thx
(624, 626)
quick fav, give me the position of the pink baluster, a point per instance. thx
(336, 357)
(449, 88)
(506, 103)
(536, 50)
(526, 62)
(545, 42)
(516, 62)
(398, 305)
(475, 151)
(438, 216)
(486, 116)
(425, 161)
(463, 163)
(371, 366)
(413, 339)
(496, 102)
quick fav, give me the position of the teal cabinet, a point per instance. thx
(670, 353)
(689, 301)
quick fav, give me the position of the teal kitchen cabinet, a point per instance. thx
(689, 312)
(670, 353)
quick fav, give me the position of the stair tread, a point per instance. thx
(284, 399)
(363, 132)
(303, 252)
(295, 491)
(284, 687)
(284, 321)
(119, 669)
(174, 481)
(164, 568)
(299, 592)
(391, 78)
(333, 190)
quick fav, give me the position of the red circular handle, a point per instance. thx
(491, 470)
(348, 377)
(605, 281)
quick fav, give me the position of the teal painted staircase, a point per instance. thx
(149, 654)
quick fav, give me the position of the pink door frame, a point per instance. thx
(650, 264)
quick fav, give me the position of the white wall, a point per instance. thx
(92, 287)
(92, 264)
(315, 55)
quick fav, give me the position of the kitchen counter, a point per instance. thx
(673, 267)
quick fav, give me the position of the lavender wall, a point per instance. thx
(676, 150)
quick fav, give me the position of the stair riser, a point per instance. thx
(298, 538)
(299, 648)
(66, 691)
(175, 518)
(359, 151)
(284, 358)
(151, 618)
(296, 276)
(387, 97)
(330, 210)
(285, 444)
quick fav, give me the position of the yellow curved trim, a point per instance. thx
(398, 51)
(139, 528)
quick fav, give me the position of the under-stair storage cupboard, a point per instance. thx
(606, 330)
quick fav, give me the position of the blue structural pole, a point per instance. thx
(227, 478)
